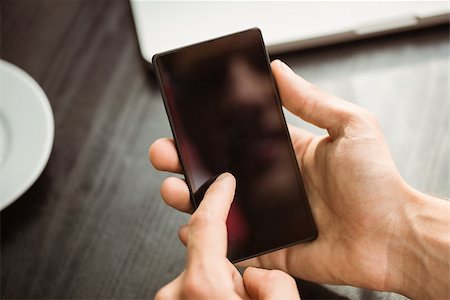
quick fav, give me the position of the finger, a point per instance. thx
(309, 103)
(175, 193)
(164, 157)
(300, 138)
(238, 283)
(207, 232)
(219, 197)
(269, 284)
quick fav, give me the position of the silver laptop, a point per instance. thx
(286, 25)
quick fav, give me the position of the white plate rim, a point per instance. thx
(50, 127)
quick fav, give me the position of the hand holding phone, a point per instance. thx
(356, 193)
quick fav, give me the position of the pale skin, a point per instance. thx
(375, 231)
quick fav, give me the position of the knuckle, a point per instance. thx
(363, 118)
(365, 115)
(370, 116)
(193, 288)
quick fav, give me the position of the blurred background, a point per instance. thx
(93, 225)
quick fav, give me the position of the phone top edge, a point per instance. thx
(156, 56)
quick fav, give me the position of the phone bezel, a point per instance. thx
(155, 60)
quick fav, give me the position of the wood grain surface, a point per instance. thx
(94, 224)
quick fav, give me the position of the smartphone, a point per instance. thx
(225, 113)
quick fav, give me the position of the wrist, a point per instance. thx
(418, 250)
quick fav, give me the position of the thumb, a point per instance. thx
(269, 284)
(308, 102)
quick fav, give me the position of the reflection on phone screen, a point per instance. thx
(226, 117)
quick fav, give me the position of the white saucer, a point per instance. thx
(26, 132)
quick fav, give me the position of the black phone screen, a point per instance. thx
(226, 116)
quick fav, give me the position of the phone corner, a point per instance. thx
(155, 58)
(257, 30)
(315, 234)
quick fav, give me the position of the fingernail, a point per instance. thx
(285, 67)
(223, 176)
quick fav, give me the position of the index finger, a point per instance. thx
(207, 231)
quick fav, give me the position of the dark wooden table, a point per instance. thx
(94, 225)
